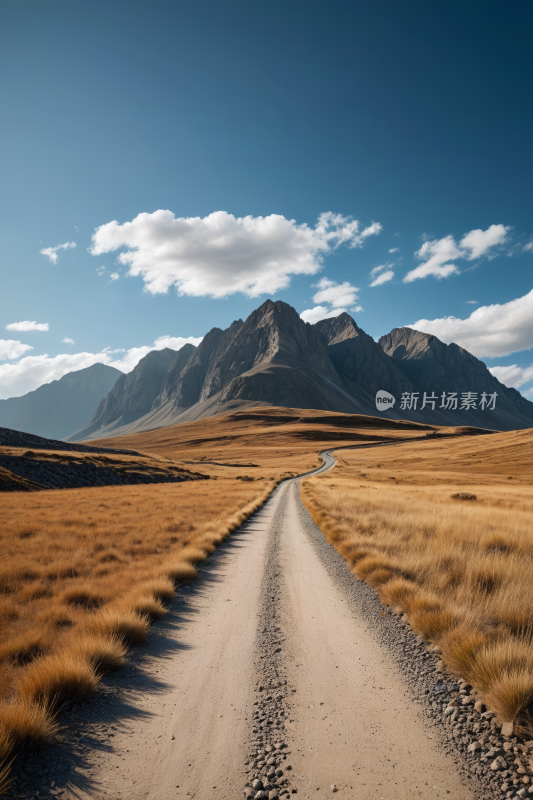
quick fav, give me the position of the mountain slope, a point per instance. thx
(274, 358)
(359, 360)
(132, 396)
(435, 367)
(57, 409)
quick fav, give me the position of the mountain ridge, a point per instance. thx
(57, 409)
(274, 358)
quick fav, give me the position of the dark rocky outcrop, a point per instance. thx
(59, 408)
(50, 464)
(11, 438)
(133, 394)
(200, 372)
(181, 359)
(360, 361)
(20, 473)
(433, 366)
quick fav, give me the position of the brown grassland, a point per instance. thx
(84, 572)
(442, 529)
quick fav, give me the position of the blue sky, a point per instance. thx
(416, 116)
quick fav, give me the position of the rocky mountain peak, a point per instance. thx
(275, 358)
(338, 329)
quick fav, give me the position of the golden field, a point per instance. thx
(84, 572)
(265, 442)
(442, 529)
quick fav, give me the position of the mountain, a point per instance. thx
(435, 367)
(274, 358)
(133, 394)
(57, 409)
(359, 360)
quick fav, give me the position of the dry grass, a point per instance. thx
(262, 443)
(460, 571)
(84, 572)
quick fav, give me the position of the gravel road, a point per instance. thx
(274, 675)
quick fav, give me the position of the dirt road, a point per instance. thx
(273, 621)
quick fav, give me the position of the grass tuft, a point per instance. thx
(54, 679)
(25, 648)
(181, 572)
(148, 606)
(127, 626)
(24, 721)
(84, 597)
(102, 653)
(161, 588)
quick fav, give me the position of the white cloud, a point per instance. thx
(68, 340)
(529, 246)
(317, 313)
(51, 252)
(376, 270)
(439, 254)
(114, 276)
(513, 375)
(394, 250)
(12, 348)
(32, 371)
(388, 275)
(472, 302)
(479, 242)
(382, 274)
(495, 330)
(27, 326)
(220, 254)
(336, 294)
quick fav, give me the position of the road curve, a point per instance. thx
(274, 606)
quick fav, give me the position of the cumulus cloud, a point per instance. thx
(529, 246)
(513, 375)
(68, 340)
(114, 276)
(51, 252)
(394, 250)
(27, 326)
(494, 330)
(337, 295)
(32, 371)
(12, 348)
(220, 255)
(438, 255)
(479, 242)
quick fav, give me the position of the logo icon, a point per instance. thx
(384, 400)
